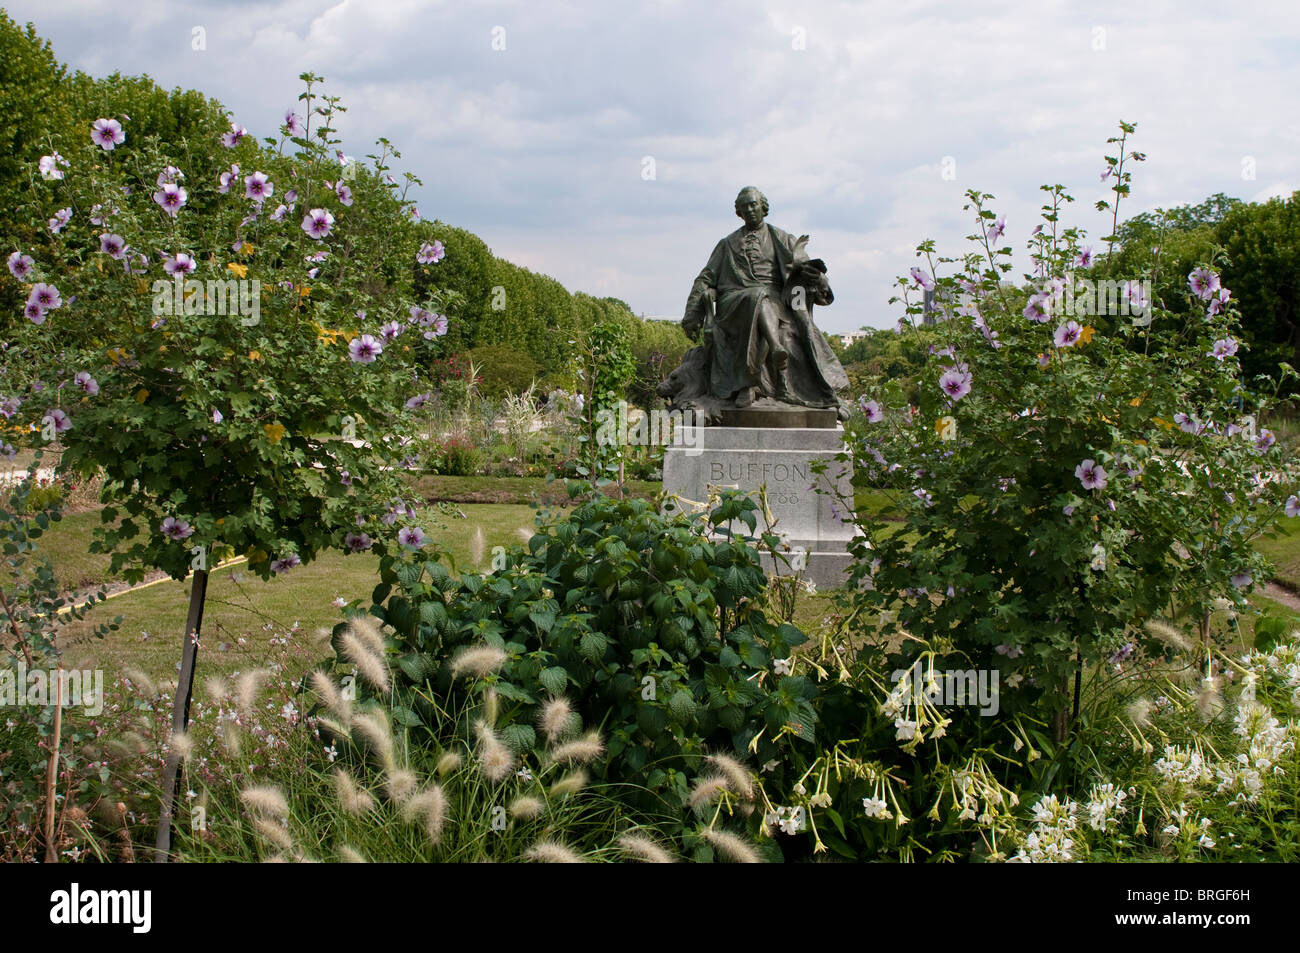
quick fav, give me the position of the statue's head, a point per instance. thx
(751, 205)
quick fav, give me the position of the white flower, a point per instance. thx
(781, 666)
(874, 807)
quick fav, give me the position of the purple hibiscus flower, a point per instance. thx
(107, 133)
(431, 253)
(258, 188)
(20, 265)
(1091, 474)
(171, 198)
(317, 223)
(86, 383)
(365, 349)
(1067, 334)
(175, 529)
(955, 383)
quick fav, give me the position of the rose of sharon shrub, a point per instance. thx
(1061, 480)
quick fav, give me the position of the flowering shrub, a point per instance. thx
(1061, 479)
(234, 355)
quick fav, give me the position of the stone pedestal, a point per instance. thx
(816, 526)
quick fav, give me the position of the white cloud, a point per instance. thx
(538, 148)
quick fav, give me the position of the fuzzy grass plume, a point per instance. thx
(477, 660)
(552, 852)
(556, 719)
(645, 849)
(371, 666)
(353, 799)
(431, 805)
(740, 780)
(495, 758)
(581, 750)
(265, 800)
(733, 848)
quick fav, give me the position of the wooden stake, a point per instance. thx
(180, 714)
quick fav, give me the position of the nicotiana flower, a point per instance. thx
(58, 419)
(171, 197)
(107, 133)
(1067, 334)
(175, 529)
(781, 666)
(365, 349)
(86, 383)
(956, 383)
(317, 223)
(60, 220)
(179, 264)
(411, 536)
(49, 166)
(1091, 474)
(430, 254)
(1223, 348)
(922, 279)
(1203, 282)
(20, 265)
(258, 188)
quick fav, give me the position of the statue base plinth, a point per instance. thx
(810, 510)
(779, 416)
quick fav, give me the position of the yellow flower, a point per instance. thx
(141, 396)
(1086, 333)
(1163, 423)
(304, 291)
(274, 432)
(238, 269)
(1135, 402)
(246, 249)
(254, 355)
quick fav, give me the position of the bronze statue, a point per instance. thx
(751, 310)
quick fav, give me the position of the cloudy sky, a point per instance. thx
(604, 142)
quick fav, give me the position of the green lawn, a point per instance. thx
(244, 613)
(239, 605)
(1284, 550)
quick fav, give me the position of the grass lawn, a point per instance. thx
(239, 605)
(243, 613)
(1284, 551)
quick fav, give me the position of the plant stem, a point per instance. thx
(52, 772)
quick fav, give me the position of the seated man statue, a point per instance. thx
(752, 304)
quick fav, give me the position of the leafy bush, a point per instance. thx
(649, 626)
(503, 371)
(455, 458)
